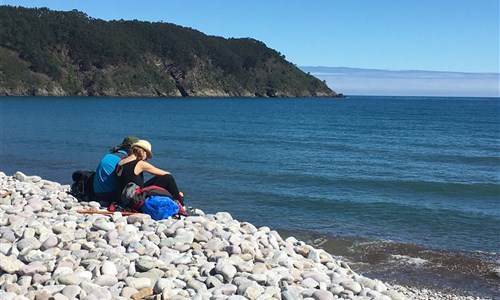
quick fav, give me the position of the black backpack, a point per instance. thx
(83, 185)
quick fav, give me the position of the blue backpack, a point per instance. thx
(160, 207)
(152, 200)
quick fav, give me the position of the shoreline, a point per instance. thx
(448, 271)
(48, 248)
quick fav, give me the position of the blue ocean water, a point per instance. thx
(407, 170)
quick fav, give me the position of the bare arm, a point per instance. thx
(149, 168)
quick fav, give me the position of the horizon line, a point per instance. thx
(401, 70)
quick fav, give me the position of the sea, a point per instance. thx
(404, 189)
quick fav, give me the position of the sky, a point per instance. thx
(374, 82)
(390, 35)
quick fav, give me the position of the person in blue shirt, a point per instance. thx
(105, 178)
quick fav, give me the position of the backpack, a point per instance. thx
(83, 185)
(152, 191)
(160, 207)
(134, 197)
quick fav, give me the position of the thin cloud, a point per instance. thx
(351, 81)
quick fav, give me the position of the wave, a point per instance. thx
(410, 264)
(442, 188)
(463, 159)
(420, 222)
(450, 189)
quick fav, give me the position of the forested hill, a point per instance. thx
(44, 52)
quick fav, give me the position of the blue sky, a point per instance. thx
(432, 35)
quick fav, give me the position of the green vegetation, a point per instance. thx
(70, 53)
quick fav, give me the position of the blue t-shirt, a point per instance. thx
(105, 178)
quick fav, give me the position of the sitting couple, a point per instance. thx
(127, 163)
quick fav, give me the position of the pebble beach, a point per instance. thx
(50, 250)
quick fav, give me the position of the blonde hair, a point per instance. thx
(139, 152)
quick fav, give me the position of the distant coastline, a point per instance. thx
(373, 82)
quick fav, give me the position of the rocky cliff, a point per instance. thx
(44, 52)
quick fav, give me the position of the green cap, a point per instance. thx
(127, 142)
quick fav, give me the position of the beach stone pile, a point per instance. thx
(49, 250)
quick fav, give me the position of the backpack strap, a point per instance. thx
(140, 199)
(182, 211)
(120, 155)
(154, 190)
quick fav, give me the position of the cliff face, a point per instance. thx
(45, 52)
